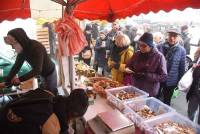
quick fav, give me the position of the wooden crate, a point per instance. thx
(43, 37)
(27, 84)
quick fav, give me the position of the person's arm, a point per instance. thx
(109, 62)
(182, 63)
(129, 63)
(98, 46)
(37, 64)
(127, 57)
(15, 69)
(161, 74)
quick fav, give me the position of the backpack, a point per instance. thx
(27, 113)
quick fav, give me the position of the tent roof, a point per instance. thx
(90, 9)
(12, 9)
(116, 9)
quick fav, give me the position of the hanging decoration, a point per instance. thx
(70, 36)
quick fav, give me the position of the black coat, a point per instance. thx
(100, 52)
(186, 43)
(34, 108)
(195, 87)
(34, 53)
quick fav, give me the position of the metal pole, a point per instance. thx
(71, 72)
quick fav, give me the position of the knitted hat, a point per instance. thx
(147, 38)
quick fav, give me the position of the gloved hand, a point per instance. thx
(140, 75)
(2, 85)
(128, 70)
(15, 81)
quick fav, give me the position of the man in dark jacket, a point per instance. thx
(114, 30)
(35, 54)
(175, 56)
(95, 31)
(186, 38)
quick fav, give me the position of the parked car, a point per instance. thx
(6, 64)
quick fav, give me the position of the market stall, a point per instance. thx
(111, 101)
(148, 114)
(142, 110)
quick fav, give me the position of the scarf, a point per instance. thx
(115, 56)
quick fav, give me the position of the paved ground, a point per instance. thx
(180, 104)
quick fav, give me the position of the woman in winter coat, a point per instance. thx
(86, 54)
(120, 55)
(147, 67)
(101, 57)
(193, 96)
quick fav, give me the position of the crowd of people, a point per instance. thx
(153, 62)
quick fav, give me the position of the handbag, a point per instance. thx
(186, 81)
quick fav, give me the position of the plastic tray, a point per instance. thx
(120, 103)
(154, 104)
(175, 117)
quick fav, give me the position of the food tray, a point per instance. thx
(172, 117)
(102, 85)
(93, 80)
(128, 89)
(135, 110)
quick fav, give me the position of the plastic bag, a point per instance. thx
(186, 81)
(175, 93)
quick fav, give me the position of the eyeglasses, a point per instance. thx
(141, 44)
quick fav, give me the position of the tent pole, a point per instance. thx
(71, 72)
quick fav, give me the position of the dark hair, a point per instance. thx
(20, 35)
(78, 102)
(88, 27)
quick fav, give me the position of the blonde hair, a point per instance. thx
(122, 40)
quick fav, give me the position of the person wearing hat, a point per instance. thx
(35, 54)
(175, 56)
(147, 66)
